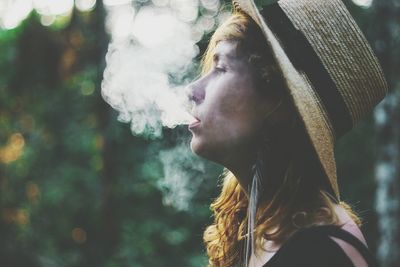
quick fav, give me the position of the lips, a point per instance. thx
(196, 122)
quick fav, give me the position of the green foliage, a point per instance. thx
(76, 188)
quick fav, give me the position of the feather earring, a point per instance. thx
(255, 192)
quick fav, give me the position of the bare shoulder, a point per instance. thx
(350, 226)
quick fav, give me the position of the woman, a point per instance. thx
(280, 84)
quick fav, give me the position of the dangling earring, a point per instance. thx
(252, 211)
(259, 171)
(255, 190)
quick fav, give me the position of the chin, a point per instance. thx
(196, 146)
(205, 150)
(199, 147)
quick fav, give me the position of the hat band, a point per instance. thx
(305, 59)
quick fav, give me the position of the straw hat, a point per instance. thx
(330, 70)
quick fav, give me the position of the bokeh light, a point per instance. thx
(53, 7)
(47, 20)
(32, 192)
(13, 149)
(116, 2)
(85, 5)
(363, 3)
(79, 235)
(13, 12)
(17, 216)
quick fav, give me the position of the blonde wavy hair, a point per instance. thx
(291, 199)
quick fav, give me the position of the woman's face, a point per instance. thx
(229, 108)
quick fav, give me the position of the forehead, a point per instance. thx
(226, 48)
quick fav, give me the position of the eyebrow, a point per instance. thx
(218, 55)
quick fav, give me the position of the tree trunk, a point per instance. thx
(387, 120)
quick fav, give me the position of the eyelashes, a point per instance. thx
(219, 70)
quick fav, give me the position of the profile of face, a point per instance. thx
(229, 109)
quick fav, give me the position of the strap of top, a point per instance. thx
(336, 231)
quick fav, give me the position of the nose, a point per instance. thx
(197, 92)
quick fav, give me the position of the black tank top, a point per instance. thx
(313, 247)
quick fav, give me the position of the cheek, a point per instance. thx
(232, 122)
(230, 118)
(230, 98)
(237, 114)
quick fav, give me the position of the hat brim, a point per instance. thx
(308, 105)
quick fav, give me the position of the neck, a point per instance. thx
(244, 175)
(275, 160)
(241, 163)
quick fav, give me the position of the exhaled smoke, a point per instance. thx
(151, 53)
(149, 61)
(183, 173)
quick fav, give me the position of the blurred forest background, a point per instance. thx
(78, 189)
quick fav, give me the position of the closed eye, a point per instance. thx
(220, 70)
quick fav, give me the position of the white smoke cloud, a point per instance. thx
(137, 85)
(183, 173)
(152, 51)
